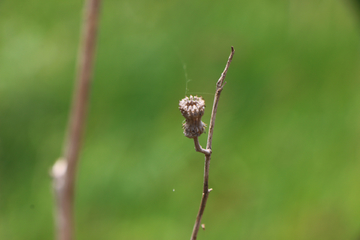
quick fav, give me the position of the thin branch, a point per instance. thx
(64, 170)
(219, 87)
(198, 147)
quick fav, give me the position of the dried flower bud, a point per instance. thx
(193, 109)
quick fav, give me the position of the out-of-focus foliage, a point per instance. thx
(286, 156)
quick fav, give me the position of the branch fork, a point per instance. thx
(198, 147)
(193, 109)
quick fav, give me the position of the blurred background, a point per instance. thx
(286, 156)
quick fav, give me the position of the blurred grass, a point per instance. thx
(285, 151)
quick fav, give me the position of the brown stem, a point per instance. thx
(219, 87)
(198, 147)
(64, 170)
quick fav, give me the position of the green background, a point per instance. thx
(286, 157)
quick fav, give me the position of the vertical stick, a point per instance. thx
(64, 170)
(219, 87)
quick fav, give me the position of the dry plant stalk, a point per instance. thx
(193, 109)
(64, 169)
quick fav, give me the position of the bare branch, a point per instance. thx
(219, 86)
(64, 170)
(198, 147)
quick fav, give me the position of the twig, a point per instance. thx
(64, 170)
(198, 147)
(219, 87)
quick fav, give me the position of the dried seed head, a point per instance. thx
(193, 109)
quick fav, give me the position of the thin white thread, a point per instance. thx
(203, 93)
(187, 80)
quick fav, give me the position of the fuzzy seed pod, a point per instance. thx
(192, 109)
